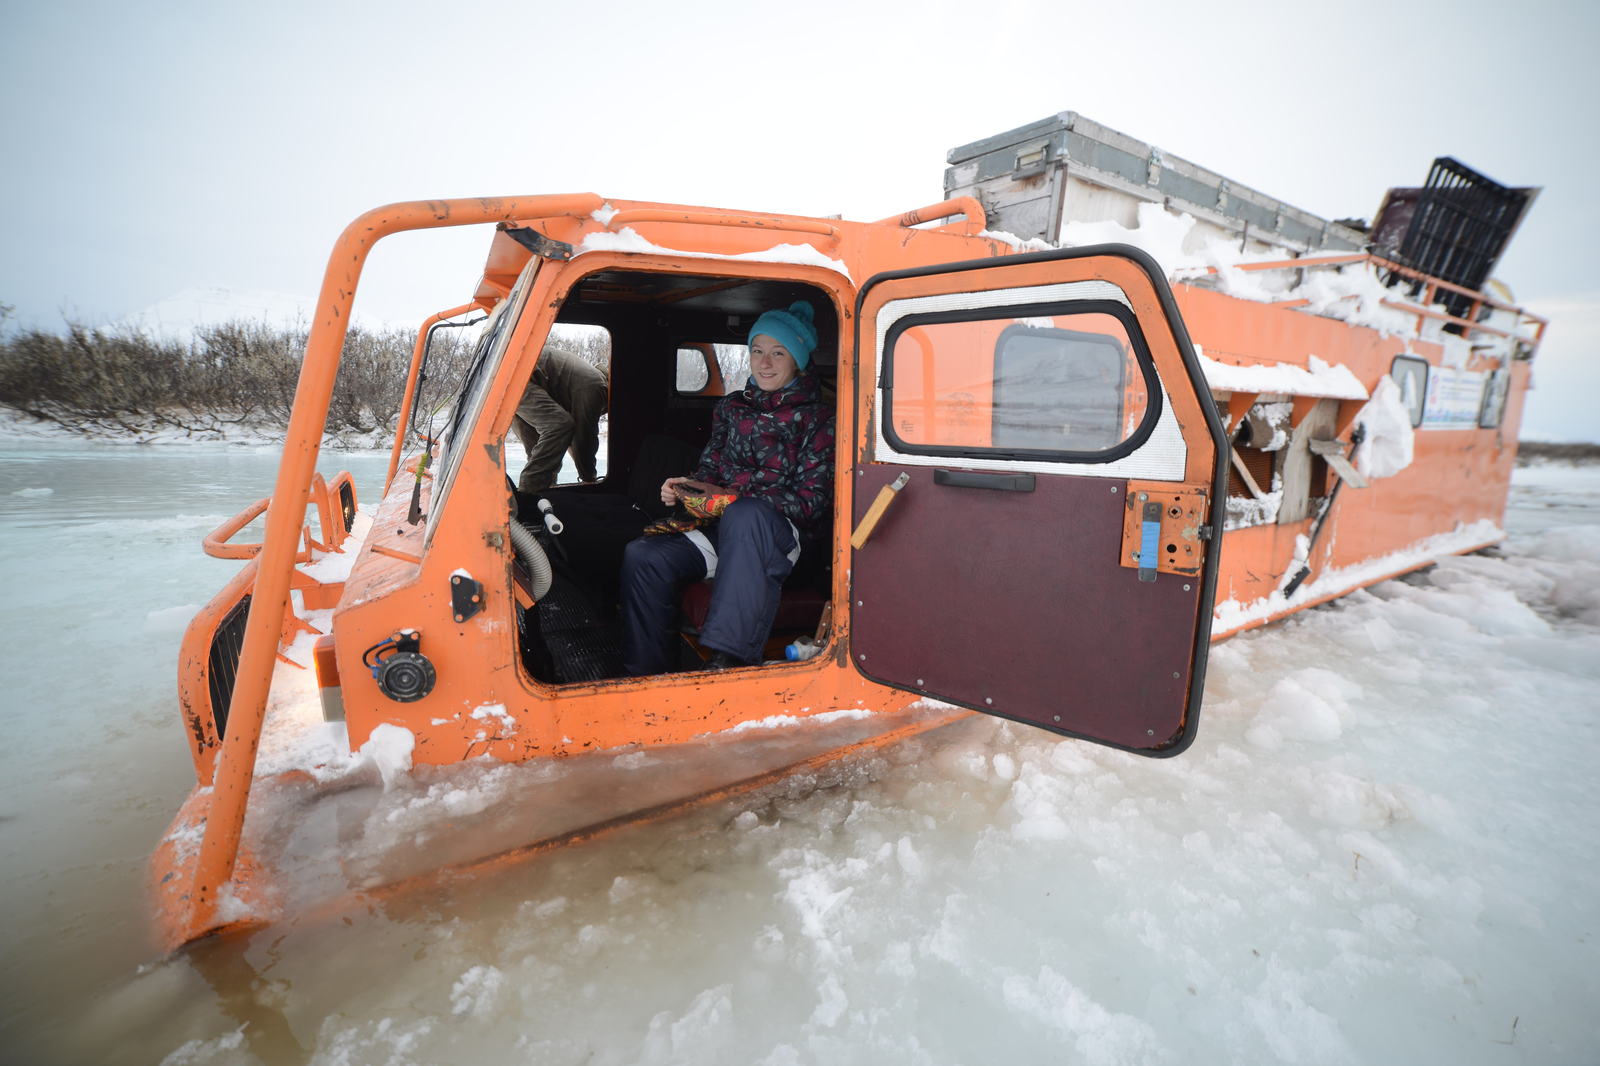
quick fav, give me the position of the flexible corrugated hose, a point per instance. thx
(533, 556)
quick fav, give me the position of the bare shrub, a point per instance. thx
(91, 374)
(1530, 451)
(592, 344)
(235, 371)
(372, 374)
(249, 368)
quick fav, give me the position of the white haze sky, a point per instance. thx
(156, 147)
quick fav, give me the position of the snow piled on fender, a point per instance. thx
(388, 750)
(1391, 439)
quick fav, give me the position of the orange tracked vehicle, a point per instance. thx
(1034, 517)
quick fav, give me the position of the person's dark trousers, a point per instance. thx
(756, 550)
(654, 570)
(754, 546)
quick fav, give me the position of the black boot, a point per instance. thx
(723, 661)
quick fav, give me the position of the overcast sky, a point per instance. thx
(156, 147)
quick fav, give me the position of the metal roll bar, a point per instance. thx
(235, 768)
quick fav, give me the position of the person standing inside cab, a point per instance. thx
(560, 411)
(761, 495)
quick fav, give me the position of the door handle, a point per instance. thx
(869, 521)
(967, 479)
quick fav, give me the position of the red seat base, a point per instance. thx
(798, 608)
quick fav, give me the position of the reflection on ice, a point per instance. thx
(328, 831)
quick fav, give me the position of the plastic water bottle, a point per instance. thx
(801, 649)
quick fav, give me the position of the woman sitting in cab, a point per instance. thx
(761, 495)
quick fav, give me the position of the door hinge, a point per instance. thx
(536, 242)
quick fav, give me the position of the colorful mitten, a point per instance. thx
(709, 508)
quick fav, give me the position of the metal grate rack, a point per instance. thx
(1457, 227)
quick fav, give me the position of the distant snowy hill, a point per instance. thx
(180, 314)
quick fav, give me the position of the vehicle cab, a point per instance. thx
(1022, 521)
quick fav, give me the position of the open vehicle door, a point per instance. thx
(1050, 555)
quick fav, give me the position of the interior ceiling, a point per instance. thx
(690, 292)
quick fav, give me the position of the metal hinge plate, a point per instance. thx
(536, 242)
(1164, 528)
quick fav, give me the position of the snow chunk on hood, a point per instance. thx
(1316, 378)
(389, 749)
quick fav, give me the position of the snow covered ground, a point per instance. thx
(1381, 848)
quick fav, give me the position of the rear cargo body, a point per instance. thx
(1037, 179)
(1468, 356)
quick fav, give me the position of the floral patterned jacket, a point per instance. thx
(776, 446)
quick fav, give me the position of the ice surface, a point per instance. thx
(1376, 852)
(170, 619)
(1380, 849)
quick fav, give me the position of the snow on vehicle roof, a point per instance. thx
(628, 239)
(1317, 378)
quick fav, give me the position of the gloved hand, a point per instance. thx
(709, 508)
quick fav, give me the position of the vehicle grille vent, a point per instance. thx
(347, 505)
(226, 644)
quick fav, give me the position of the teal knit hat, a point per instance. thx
(791, 328)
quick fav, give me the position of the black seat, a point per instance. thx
(600, 523)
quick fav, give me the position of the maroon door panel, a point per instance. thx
(1022, 398)
(967, 593)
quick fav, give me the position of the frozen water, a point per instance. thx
(1380, 849)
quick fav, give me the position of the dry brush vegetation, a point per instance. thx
(237, 374)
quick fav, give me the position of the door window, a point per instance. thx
(694, 371)
(1411, 374)
(1034, 378)
(468, 404)
(1494, 399)
(1066, 385)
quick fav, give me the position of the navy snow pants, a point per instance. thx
(749, 551)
